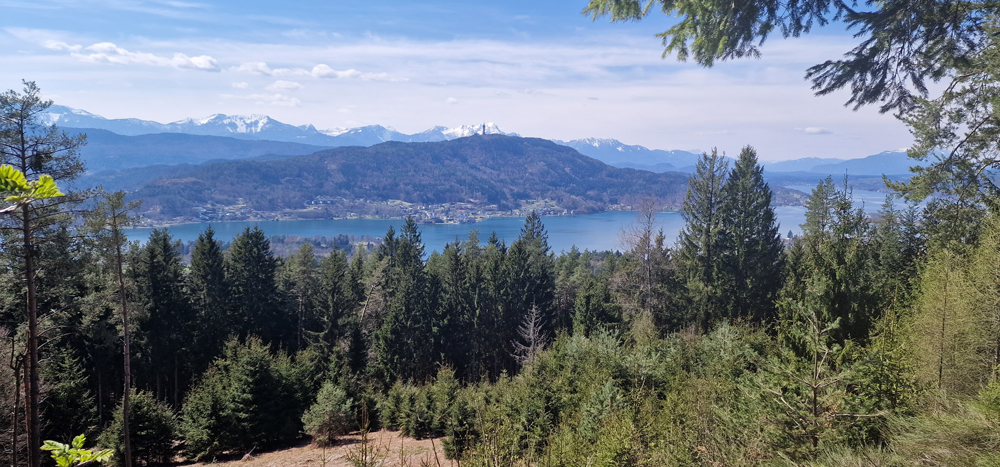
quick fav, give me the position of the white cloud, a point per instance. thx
(62, 46)
(278, 99)
(282, 85)
(319, 71)
(813, 130)
(108, 52)
(259, 68)
(241, 85)
(324, 71)
(451, 100)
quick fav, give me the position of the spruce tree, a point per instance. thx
(337, 301)
(404, 340)
(750, 276)
(700, 252)
(208, 292)
(532, 269)
(304, 289)
(169, 320)
(836, 244)
(250, 271)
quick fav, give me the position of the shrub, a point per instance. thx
(330, 416)
(153, 425)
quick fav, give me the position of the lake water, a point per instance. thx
(590, 231)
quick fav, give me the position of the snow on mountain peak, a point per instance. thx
(469, 130)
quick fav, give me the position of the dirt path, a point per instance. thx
(392, 449)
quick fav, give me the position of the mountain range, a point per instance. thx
(107, 152)
(259, 127)
(504, 172)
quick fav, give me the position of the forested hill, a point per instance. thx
(109, 151)
(485, 170)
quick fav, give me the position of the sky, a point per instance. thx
(537, 68)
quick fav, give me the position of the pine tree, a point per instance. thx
(751, 248)
(699, 243)
(36, 150)
(106, 223)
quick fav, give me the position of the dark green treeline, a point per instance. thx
(736, 347)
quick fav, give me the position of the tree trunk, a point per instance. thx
(126, 408)
(31, 372)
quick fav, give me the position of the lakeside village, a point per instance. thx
(342, 208)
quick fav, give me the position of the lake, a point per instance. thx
(589, 231)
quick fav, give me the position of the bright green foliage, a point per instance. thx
(984, 279)
(944, 331)
(69, 455)
(153, 426)
(700, 248)
(332, 415)
(249, 397)
(751, 263)
(20, 191)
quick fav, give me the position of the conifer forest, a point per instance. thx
(869, 339)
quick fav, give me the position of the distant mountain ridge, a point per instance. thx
(496, 170)
(259, 127)
(264, 128)
(618, 154)
(106, 150)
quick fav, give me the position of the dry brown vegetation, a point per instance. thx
(398, 451)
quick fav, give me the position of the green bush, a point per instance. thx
(154, 428)
(331, 416)
(249, 397)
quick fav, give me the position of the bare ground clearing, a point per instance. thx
(396, 451)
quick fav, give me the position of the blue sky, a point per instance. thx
(536, 68)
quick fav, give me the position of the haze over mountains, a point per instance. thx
(128, 143)
(258, 168)
(260, 127)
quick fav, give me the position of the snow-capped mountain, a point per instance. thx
(616, 153)
(260, 127)
(609, 151)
